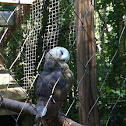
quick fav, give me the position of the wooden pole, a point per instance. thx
(86, 47)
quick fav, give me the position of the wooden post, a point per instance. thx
(86, 47)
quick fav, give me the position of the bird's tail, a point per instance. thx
(40, 110)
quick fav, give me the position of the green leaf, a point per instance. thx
(122, 4)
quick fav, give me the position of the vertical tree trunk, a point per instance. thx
(86, 47)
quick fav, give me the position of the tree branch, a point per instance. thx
(64, 121)
(28, 108)
(17, 106)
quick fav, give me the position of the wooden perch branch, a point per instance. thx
(64, 121)
(17, 106)
(28, 108)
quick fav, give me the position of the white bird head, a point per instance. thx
(60, 53)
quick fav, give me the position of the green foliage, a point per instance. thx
(114, 23)
(10, 53)
(5, 7)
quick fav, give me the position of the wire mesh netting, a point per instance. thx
(52, 23)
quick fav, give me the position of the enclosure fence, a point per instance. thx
(53, 23)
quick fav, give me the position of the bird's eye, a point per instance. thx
(61, 52)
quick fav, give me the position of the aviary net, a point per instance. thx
(43, 28)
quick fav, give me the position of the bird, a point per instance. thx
(53, 86)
